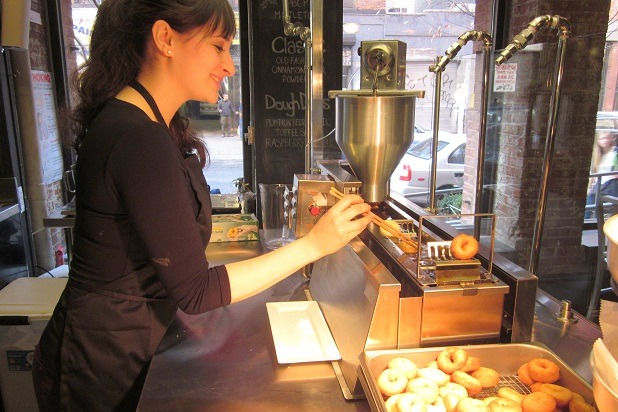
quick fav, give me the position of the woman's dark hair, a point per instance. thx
(118, 47)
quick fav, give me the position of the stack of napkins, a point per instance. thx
(605, 351)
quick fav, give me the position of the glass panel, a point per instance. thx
(226, 168)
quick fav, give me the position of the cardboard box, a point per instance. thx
(234, 228)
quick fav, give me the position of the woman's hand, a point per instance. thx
(340, 224)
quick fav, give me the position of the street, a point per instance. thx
(226, 159)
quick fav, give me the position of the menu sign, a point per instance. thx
(279, 89)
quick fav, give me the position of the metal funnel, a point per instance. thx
(373, 130)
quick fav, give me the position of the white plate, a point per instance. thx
(300, 332)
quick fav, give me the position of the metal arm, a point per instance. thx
(521, 40)
(438, 68)
(518, 43)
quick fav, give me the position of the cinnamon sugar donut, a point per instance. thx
(452, 359)
(538, 402)
(561, 394)
(543, 370)
(472, 364)
(464, 246)
(524, 376)
(472, 385)
(486, 376)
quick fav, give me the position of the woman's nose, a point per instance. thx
(228, 65)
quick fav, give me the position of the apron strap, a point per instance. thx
(150, 100)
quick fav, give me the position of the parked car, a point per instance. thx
(412, 176)
(208, 110)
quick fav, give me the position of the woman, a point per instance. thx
(143, 208)
(604, 159)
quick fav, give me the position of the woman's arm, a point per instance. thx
(345, 220)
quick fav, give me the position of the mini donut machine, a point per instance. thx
(374, 293)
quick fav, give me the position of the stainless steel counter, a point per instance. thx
(224, 360)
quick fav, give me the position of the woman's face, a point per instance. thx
(606, 140)
(201, 64)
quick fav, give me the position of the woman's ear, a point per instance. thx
(162, 34)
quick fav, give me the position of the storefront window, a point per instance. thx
(517, 128)
(226, 167)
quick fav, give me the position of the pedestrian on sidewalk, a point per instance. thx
(227, 112)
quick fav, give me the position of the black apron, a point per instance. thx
(108, 335)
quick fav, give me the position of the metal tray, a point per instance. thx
(504, 358)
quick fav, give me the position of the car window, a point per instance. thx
(458, 155)
(423, 149)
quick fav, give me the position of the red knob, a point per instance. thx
(314, 209)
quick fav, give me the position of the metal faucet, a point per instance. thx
(520, 40)
(518, 43)
(438, 68)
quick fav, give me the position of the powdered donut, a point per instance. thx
(524, 376)
(436, 375)
(538, 402)
(391, 403)
(452, 387)
(486, 376)
(471, 405)
(391, 382)
(561, 394)
(464, 246)
(403, 365)
(410, 402)
(423, 387)
(578, 405)
(543, 370)
(452, 359)
(472, 385)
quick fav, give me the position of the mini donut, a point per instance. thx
(391, 403)
(579, 405)
(436, 375)
(486, 376)
(451, 400)
(472, 385)
(452, 387)
(511, 394)
(423, 387)
(471, 405)
(504, 405)
(410, 402)
(464, 246)
(392, 224)
(432, 364)
(452, 359)
(561, 394)
(538, 402)
(403, 365)
(391, 382)
(437, 406)
(472, 364)
(490, 399)
(535, 386)
(524, 376)
(543, 370)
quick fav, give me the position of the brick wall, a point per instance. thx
(523, 131)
